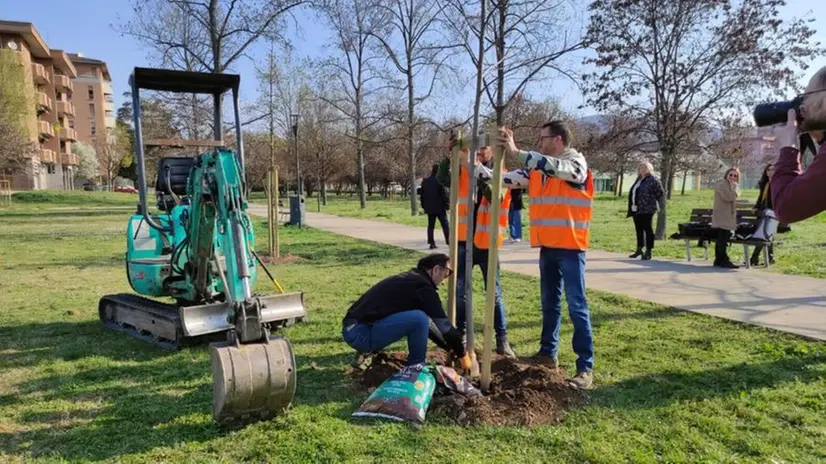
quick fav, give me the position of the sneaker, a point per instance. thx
(361, 361)
(636, 254)
(432, 246)
(545, 360)
(582, 380)
(504, 348)
(647, 255)
(517, 240)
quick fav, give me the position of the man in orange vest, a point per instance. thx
(561, 191)
(482, 227)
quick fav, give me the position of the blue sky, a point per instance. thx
(86, 27)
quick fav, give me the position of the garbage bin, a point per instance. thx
(297, 210)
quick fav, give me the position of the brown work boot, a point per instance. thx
(545, 360)
(582, 380)
(361, 361)
(504, 348)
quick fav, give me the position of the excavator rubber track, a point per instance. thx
(149, 320)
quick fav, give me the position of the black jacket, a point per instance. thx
(404, 292)
(434, 196)
(764, 199)
(648, 195)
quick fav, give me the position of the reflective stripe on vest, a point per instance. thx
(562, 201)
(560, 223)
(560, 214)
(481, 236)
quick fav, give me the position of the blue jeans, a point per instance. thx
(515, 223)
(372, 338)
(555, 267)
(480, 258)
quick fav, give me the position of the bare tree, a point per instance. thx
(283, 91)
(207, 35)
(414, 49)
(530, 39)
(674, 63)
(355, 70)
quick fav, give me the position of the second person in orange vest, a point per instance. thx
(483, 226)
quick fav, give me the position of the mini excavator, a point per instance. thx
(198, 250)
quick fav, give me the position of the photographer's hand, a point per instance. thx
(787, 135)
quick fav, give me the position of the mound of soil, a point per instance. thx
(522, 393)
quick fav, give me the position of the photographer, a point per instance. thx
(797, 194)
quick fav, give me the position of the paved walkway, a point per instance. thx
(793, 304)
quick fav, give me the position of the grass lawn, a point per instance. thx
(802, 251)
(672, 386)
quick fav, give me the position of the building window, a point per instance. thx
(92, 128)
(91, 93)
(51, 168)
(71, 124)
(91, 110)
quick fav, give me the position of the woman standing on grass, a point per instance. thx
(643, 202)
(724, 217)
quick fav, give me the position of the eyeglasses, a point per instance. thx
(449, 271)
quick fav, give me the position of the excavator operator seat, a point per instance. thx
(173, 173)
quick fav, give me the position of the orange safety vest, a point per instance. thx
(480, 235)
(560, 212)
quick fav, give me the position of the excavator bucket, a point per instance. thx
(253, 381)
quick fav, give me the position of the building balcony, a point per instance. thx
(63, 83)
(48, 156)
(65, 108)
(45, 129)
(109, 98)
(67, 133)
(39, 74)
(69, 159)
(44, 102)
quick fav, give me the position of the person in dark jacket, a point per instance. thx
(764, 202)
(435, 201)
(643, 201)
(404, 305)
(515, 215)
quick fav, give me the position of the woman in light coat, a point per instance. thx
(724, 217)
(643, 201)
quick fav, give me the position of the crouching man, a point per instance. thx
(404, 305)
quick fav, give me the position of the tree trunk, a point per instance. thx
(359, 145)
(662, 216)
(685, 176)
(324, 193)
(411, 154)
(620, 183)
(502, 8)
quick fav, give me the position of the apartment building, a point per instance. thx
(48, 75)
(94, 101)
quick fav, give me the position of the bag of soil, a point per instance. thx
(454, 382)
(404, 397)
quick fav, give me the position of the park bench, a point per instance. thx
(699, 228)
(746, 221)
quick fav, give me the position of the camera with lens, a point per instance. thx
(769, 114)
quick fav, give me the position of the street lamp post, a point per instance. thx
(294, 119)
